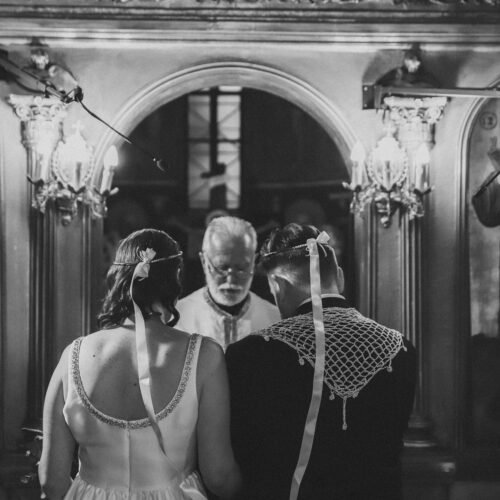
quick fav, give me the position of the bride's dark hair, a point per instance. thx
(162, 285)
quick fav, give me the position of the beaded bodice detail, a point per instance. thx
(357, 348)
(131, 424)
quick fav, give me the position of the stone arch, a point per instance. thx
(241, 74)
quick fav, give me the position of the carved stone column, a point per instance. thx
(415, 120)
(41, 127)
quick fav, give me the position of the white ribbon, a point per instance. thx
(142, 271)
(319, 364)
(192, 487)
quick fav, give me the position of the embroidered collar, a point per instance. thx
(357, 348)
(221, 312)
(327, 299)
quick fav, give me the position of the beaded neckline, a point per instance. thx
(131, 424)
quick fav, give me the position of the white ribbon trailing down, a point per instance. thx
(141, 271)
(192, 487)
(319, 364)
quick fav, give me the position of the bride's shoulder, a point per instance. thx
(211, 354)
(105, 343)
(210, 347)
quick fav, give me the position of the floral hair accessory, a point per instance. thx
(147, 255)
(142, 267)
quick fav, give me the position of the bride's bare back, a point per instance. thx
(108, 368)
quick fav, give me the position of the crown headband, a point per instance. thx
(321, 239)
(148, 257)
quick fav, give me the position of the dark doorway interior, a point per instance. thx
(242, 151)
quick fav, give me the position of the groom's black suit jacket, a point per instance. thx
(270, 396)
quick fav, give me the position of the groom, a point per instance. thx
(367, 394)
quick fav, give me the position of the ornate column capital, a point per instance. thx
(414, 119)
(412, 109)
(29, 107)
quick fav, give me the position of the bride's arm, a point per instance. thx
(58, 443)
(218, 468)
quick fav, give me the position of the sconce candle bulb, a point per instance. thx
(358, 157)
(110, 162)
(387, 147)
(422, 161)
(44, 167)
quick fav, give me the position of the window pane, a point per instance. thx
(229, 155)
(228, 111)
(198, 164)
(198, 117)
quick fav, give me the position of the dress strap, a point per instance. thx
(195, 341)
(69, 381)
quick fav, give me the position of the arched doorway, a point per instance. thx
(233, 150)
(260, 80)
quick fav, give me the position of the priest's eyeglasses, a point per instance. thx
(224, 272)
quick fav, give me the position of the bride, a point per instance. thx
(146, 404)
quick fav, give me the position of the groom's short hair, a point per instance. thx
(285, 252)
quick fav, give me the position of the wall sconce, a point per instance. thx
(388, 179)
(61, 170)
(69, 181)
(397, 171)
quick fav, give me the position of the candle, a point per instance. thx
(110, 162)
(387, 171)
(355, 174)
(77, 151)
(78, 174)
(44, 165)
(358, 165)
(388, 150)
(422, 161)
(107, 179)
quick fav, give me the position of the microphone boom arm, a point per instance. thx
(74, 95)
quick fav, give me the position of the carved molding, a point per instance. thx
(375, 4)
(317, 11)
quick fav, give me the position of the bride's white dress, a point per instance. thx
(122, 459)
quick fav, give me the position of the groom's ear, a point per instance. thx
(278, 283)
(273, 284)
